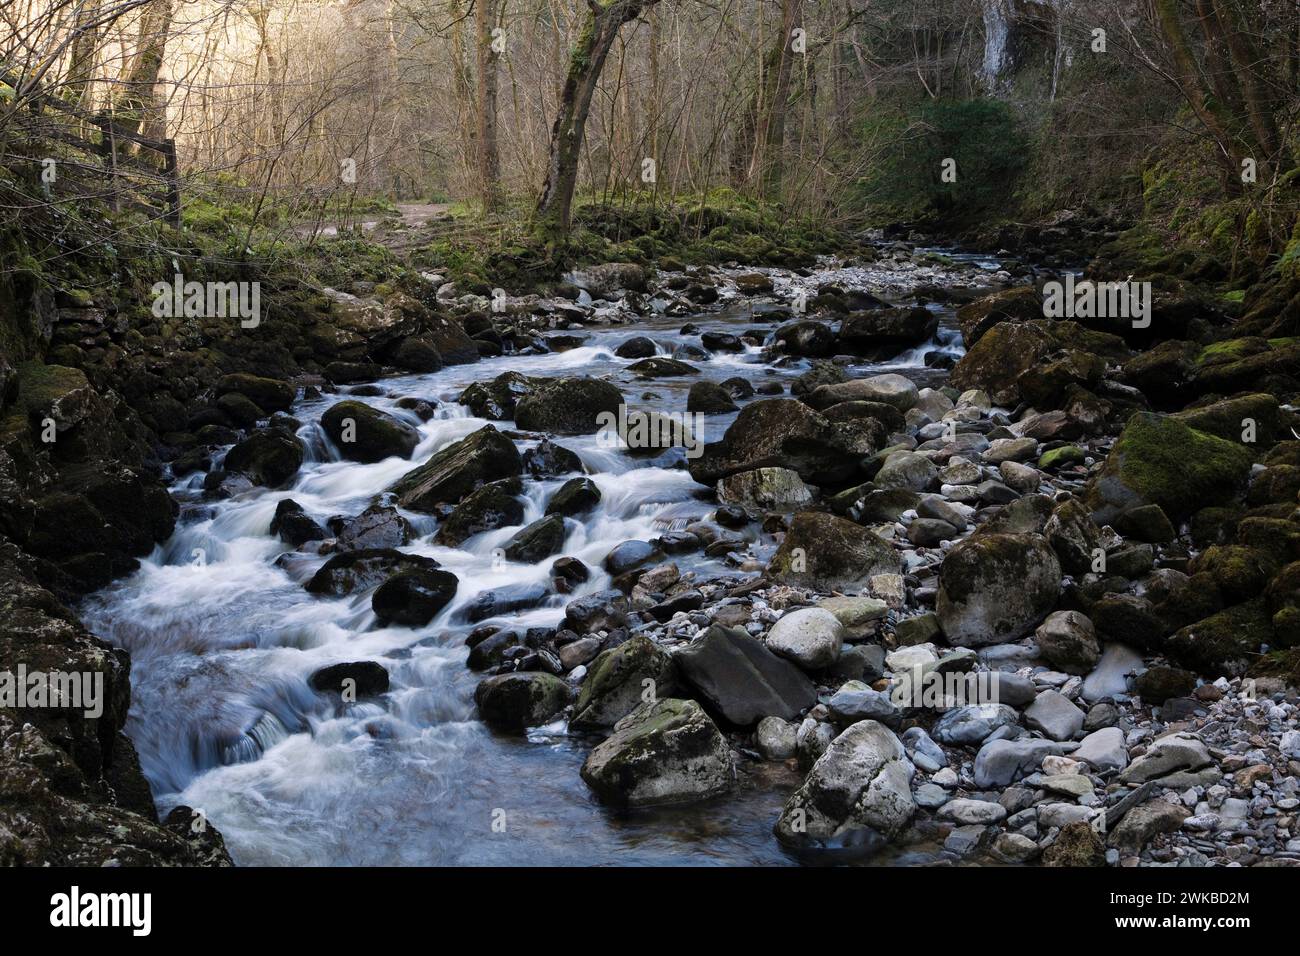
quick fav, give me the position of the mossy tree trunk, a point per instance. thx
(554, 216)
(489, 160)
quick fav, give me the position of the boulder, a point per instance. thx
(568, 406)
(993, 588)
(520, 700)
(811, 637)
(496, 400)
(709, 398)
(378, 526)
(741, 680)
(537, 541)
(861, 783)
(355, 679)
(365, 434)
(665, 752)
(354, 571)
(784, 433)
(413, 598)
(1159, 460)
(456, 470)
(863, 331)
(576, 496)
(1020, 304)
(268, 394)
(771, 489)
(826, 553)
(270, 457)
(888, 389)
(620, 680)
(1068, 641)
(292, 525)
(494, 505)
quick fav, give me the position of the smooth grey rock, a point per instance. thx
(1055, 715)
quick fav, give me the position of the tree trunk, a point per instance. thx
(84, 47)
(553, 218)
(765, 166)
(489, 161)
(141, 102)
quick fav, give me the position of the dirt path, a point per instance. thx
(412, 216)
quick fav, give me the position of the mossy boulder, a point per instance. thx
(1255, 417)
(521, 700)
(269, 457)
(665, 752)
(829, 553)
(1159, 460)
(1164, 372)
(616, 683)
(453, 472)
(995, 588)
(1240, 573)
(268, 394)
(363, 433)
(496, 400)
(1225, 644)
(1021, 304)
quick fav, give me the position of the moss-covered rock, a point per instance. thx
(1020, 304)
(665, 752)
(616, 683)
(1227, 643)
(1252, 420)
(1161, 461)
(363, 433)
(268, 457)
(491, 506)
(828, 553)
(453, 472)
(521, 700)
(995, 588)
(568, 406)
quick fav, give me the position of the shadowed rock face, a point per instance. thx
(458, 469)
(71, 789)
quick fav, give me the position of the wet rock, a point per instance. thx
(354, 571)
(365, 434)
(520, 700)
(636, 347)
(568, 406)
(775, 738)
(503, 601)
(862, 331)
(619, 681)
(709, 398)
(538, 541)
(354, 679)
(994, 588)
(1021, 304)
(413, 598)
(575, 497)
(861, 783)
(630, 555)
(807, 338)
(294, 526)
(666, 752)
(269, 457)
(549, 460)
(660, 367)
(827, 553)
(496, 400)
(907, 470)
(601, 611)
(378, 526)
(741, 679)
(491, 506)
(453, 472)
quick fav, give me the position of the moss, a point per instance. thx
(1059, 457)
(1161, 461)
(1228, 642)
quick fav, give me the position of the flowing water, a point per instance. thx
(223, 639)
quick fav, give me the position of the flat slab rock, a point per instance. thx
(742, 680)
